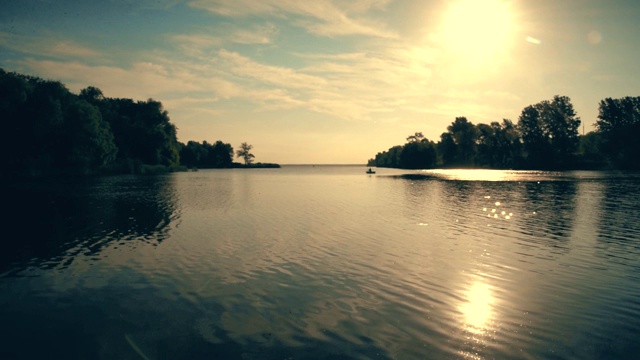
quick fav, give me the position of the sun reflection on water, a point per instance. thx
(478, 309)
(490, 174)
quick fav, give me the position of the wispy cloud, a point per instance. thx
(45, 46)
(211, 40)
(196, 41)
(320, 17)
(354, 86)
(140, 81)
(384, 79)
(257, 35)
(274, 75)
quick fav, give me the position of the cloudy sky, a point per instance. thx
(329, 81)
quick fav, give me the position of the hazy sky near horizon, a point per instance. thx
(330, 81)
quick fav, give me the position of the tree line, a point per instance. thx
(53, 132)
(546, 136)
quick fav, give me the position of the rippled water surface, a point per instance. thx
(323, 262)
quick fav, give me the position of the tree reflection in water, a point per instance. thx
(67, 217)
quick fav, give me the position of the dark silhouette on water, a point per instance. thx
(57, 133)
(245, 153)
(546, 137)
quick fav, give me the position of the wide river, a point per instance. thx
(323, 262)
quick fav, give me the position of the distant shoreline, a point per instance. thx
(363, 165)
(255, 166)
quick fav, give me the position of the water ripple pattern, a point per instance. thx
(323, 262)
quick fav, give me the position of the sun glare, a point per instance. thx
(477, 30)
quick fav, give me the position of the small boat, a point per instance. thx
(370, 171)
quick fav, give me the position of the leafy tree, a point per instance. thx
(562, 128)
(245, 153)
(142, 130)
(509, 144)
(191, 154)
(549, 131)
(418, 155)
(487, 149)
(66, 134)
(88, 138)
(498, 145)
(389, 158)
(205, 155)
(79, 134)
(92, 95)
(15, 92)
(619, 123)
(157, 142)
(534, 140)
(220, 155)
(417, 137)
(447, 149)
(591, 151)
(461, 144)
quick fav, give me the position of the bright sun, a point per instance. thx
(477, 29)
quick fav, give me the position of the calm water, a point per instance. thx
(323, 262)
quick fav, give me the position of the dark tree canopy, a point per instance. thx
(53, 132)
(448, 149)
(619, 125)
(60, 133)
(142, 130)
(389, 158)
(245, 153)
(417, 137)
(464, 135)
(56, 132)
(550, 133)
(205, 155)
(417, 153)
(546, 137)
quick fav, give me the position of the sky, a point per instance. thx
(330, 81)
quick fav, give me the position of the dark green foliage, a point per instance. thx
(142, 130)
(487, 147)
(88, 140)
(561, 125)
(619, 124)
(14, 93)
(498, 145)
(389, 158)
(55, 132)
(534, 142)
(546, 137)
(549, 131)
(192, 154)
(417, 153)
(448, 149)
(464, 135)
(220, 155)
(592, 154)
(245, 153)
(65, 134)
(205, 155)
